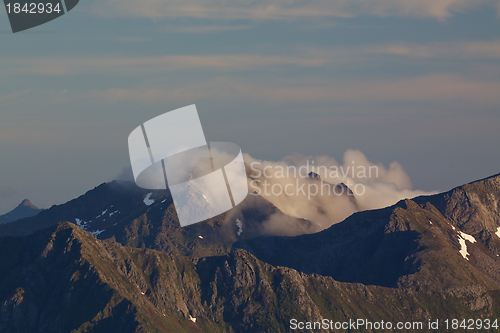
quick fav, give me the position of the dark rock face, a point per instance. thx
(23, 210)
(406, 262)
(473, 208)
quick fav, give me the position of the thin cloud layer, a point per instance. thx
(439, 88)
(284, 10)
(300, 57)
(243, 62)
(458, 50)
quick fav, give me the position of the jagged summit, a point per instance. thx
(313, 175)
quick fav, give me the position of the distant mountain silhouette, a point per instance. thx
(24, 209)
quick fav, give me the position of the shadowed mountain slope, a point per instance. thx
(63, 279)
(148, 219)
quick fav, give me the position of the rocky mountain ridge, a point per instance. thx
(63, 279)
(432, 257)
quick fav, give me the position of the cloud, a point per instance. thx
(285, 184)
(457, 50)
(125, 175)
(438, 88)
(198, 29)
(298, 57)
(65, 66)
(283, 9)
(433, 87)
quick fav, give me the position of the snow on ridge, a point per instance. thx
(498, 232)
(147, 200)
(84, 225)
(462, 237)
(113, 213)
(81, 224)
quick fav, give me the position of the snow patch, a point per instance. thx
(453, 227)
(97, 232)
(200, 237)
(147, 200)
(104, 212)
(462, 237)
(164, 200)
(467, 237)
(498, 232)
(113, 213)
(240, 226)
(192, 319)
(81, 224)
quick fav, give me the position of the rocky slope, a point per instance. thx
(428, 258)
(405, 244)
(63, 279)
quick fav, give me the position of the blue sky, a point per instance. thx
(416, 82)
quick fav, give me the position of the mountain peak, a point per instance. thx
(27, 203)
(313, 175)
(23, 210)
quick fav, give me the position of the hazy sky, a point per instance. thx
(416, 82)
